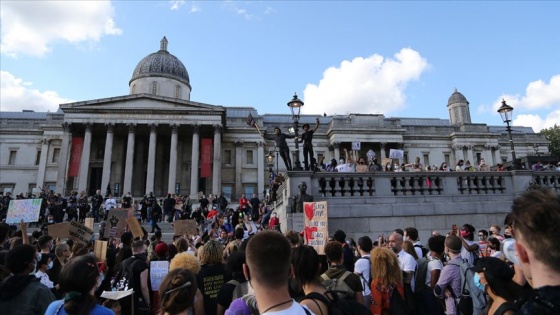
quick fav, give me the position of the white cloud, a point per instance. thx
(235, 8)
(31, 27)
(17, 95)
(536, 122)
(373, 85)
(175, 5)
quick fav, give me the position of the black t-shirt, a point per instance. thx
(307, 137)
(210, 279)
(225, 296)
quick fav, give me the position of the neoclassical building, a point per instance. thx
(157, 140)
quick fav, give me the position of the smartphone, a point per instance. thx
(454, 229)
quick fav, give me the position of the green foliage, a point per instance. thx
(552, 134)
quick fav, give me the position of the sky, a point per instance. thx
(397, 58)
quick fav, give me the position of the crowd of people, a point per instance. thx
(461, 271)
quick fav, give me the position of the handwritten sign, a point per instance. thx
(371, 155)
(356, 145)
(59, 230)
(100, 250)
(80, 232)
(315, 222)
(135, 227)
(23, 209)
(89, 223)
(116, 223)
(158, 271)
(185, 227)
(396, 154)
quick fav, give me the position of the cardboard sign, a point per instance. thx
(24, 209)
(385, 161)
(185, 227)
(100, 250)
(117, 295)
(89, 223)
(396, 154)
(135, 227)
(116, 223)
(158, 271)
(371, 155)
(316, 225)
(80, 232)
(59, 230)
(356, 145)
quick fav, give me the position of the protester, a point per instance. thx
(306, 272)
(449, 283)
(177, 292)
(362, 267)
(386, 279)
(211, 274)
(137, 266)
(337, 270)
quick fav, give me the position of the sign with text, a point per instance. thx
(371, 155)
(100, 250)
(80, 232)
(23, 209)
(356, 145)
(58, 230)
(185, 227)
(316, 227)
(135, 227)
(116, 223)
(158, 271)
(396, 154)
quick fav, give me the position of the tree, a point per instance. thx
(552, 134)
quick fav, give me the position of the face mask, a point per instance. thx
(464, 233)
(477, 283)
(49, 266)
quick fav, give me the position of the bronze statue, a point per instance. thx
(299, 199)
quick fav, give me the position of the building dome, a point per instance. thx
(161, 64)
(457, 97)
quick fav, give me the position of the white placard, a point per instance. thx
(356, 145)
(396, 154)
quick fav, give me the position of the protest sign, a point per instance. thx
(116, 223)
(59, 230)
(396, 154)
(23, 209)
(100, 250)
(185, 227)
(385, 161)
(356, 145)
(89, 223)
(371, 155)
(316, 228)
(135, 227)
(80, 232)
(158, 271)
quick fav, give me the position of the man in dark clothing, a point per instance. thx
(127, 201)
(280, 139)
(222, 203)
(169, 207)
(337, 270)
(156, 216)
(150, 202)
(138, 280)
(23, 293)
(255, 204)
(96, 202)
(307, 139)
(340, 237)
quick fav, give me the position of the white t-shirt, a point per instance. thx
(362, 267)
(408, 264)
(44, 279)
(295, 309)
(466, 254)
(433, 264)
(418, 249)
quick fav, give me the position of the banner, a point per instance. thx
(58, 230)
(116, 223)
(185, 227)
(396, 154)
(206, 157)
(23, 209)
(158, 271)
(316, 227)
(80, 232)
(75, 156)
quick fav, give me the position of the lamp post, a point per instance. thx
(506, 112)
(270, 160)
(295, 105)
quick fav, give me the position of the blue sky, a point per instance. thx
(398, 58)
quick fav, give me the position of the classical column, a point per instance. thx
(151, 159)
(217, 169)
(63, 158)
(173, 159)
(105, 179)
(382, 152)
(336, 146)
(260, 168)
(42, 163)
(195, 155)
(127, 185)
(457, 151)
(84, 160)
(238, 166)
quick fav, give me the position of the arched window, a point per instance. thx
(154, 88)
(177, 91)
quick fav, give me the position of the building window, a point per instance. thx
(320, 157)
(249, 157)
(426, 159)
(478, 157)
(249, 190)
(227, 157)
(38, 157)
(446, 158)
(154, 88)
(7, 188)
(227, 190)
(177, 91)
(50, 186)
(30, 188)
(12, 160)
(55, 155)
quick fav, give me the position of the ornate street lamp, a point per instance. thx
(270, 160)
(295, 105)
(506, 112)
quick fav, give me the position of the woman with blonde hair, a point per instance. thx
(386, 279)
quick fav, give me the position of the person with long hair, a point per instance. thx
(307, 268)
(177, 292)
(386, 278)
(78, 280)
(211, 274)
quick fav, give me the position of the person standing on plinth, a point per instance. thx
(280, 139)
(307, 139)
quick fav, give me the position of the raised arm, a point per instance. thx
(316, 125)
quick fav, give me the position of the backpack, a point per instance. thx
(422, 270)
(337, 305)
(241, 288)
(397, 305)
(472, 300)
(124, 280)
(425, 251)
(362, 275)
(339, 286)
